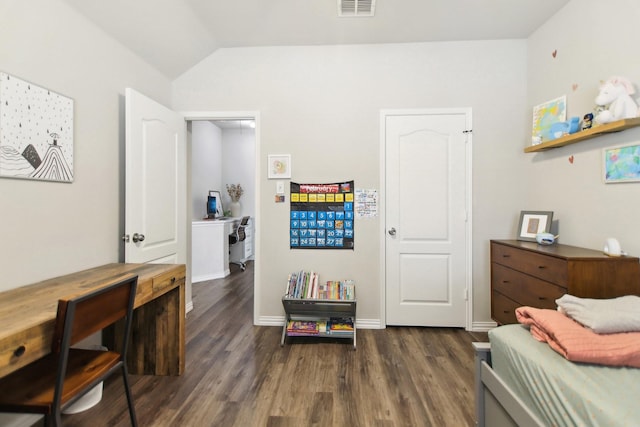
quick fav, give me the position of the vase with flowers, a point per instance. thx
(235, 192)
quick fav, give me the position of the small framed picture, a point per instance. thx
(620, 164)
(532, 223)
(279, 166)
(545, 115)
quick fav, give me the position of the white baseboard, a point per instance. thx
(205, 277)
(483, 326)
(369, 324)
(270, 321)
(188, 307)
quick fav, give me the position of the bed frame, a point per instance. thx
(496, 404)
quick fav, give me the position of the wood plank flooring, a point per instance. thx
(238, 375)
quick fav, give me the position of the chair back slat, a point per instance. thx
(92, 312)
(242, 234)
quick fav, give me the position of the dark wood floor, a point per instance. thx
(238, 375)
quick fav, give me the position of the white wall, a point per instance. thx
(593, 40)
(222, 156)
(49, 229)
(322, 105)
(238, 167)
(206, 164)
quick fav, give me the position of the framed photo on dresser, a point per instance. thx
(532, 223)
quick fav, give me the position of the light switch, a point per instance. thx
(280, 187)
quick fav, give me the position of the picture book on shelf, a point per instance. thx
(306, 285)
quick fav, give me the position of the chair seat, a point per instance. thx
(32, 386)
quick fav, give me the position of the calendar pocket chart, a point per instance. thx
(322, 216)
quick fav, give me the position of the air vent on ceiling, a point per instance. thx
(356, 7)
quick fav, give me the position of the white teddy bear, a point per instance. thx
(616, 94)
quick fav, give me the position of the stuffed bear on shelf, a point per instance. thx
(615, 97)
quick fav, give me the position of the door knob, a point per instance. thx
(125, 238)
(392, 231)
(137, 238)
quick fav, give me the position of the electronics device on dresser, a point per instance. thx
(211, 207)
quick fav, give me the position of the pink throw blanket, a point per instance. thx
(580, 344)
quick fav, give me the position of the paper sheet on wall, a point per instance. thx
(366, 203)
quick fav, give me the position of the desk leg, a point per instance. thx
(157, 345)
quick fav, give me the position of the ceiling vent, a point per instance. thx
(356, 7)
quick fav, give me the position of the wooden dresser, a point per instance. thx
(525, 273)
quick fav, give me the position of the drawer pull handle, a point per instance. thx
(505, 281)
(506, 312)
(542, 267)
(542, 298)
(19, 351)
(506, 256)
(173, 280)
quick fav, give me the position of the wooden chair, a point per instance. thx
(51, 384)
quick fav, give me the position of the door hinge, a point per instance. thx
(466, 294)
(468, 131)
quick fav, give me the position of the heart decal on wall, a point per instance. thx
(571, 159)
(554, 53)
(574, 87)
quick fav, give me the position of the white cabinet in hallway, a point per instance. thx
(210, 249)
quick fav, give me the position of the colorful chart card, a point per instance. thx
(322, 216)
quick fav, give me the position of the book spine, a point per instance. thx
(306, 285)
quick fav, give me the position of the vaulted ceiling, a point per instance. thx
(174, 35)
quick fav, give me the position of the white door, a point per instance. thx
(156, 185)
(427, 192)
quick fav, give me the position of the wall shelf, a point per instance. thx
(595, 131)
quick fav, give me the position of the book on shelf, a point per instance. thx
(307, 285)
(341, 325)
(333, 326)
(302, 327)
(307, 327)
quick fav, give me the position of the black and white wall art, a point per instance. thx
(36, 131)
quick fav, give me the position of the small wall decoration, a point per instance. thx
(36, 132)
(279, 166)
(545, 115)
(622, 164)
(322, 216)
(532, 223)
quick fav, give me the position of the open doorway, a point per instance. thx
(223, 151)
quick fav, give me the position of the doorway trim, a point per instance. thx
(468, 202)
(192, 116)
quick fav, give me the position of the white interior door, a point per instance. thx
(156, 168)
(427, 209)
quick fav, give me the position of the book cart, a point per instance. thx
(325, 314)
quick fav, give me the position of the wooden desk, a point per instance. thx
(27, 316)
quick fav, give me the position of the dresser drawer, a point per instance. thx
(525, 289)
(542, 266)
(503, 309)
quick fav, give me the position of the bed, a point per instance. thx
(523, 382)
